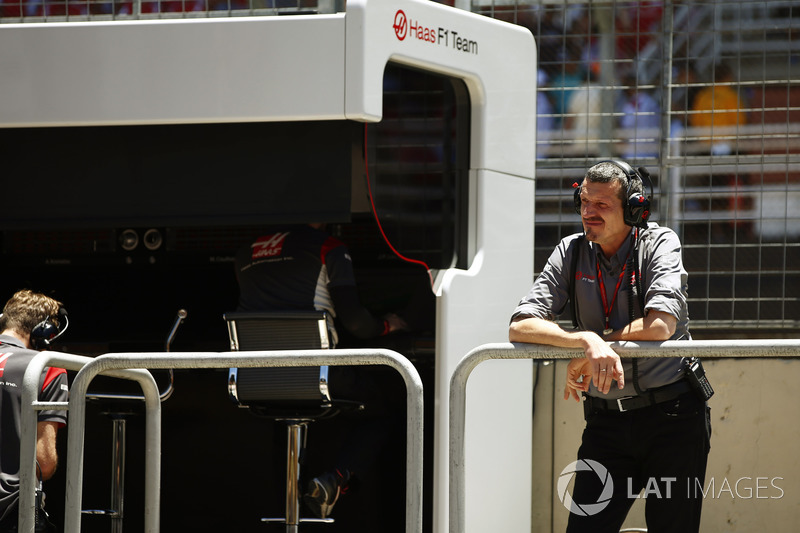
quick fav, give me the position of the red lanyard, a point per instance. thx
(606, 308)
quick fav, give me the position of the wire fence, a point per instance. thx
(706, 95)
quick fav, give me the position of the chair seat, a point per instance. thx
(282, 392)
(256, 386)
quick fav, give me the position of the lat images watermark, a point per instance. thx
(585, 509)
(742, 488)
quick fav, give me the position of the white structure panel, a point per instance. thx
(474, 308)
(172, 71)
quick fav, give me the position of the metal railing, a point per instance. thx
(458, 384)
(111, 364)
(30, 395)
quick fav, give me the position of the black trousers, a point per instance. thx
(658, 453)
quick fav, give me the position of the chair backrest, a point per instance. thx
(295, 389)
(279, 330)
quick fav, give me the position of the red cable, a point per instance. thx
(377, 220)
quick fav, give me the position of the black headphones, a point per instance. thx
(636, 210)
(46, 331)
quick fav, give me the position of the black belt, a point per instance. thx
(629, 403)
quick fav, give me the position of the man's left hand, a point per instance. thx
(579, 374)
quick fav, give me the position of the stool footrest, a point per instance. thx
(106, 512)
(302, 520)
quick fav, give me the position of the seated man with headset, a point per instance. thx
(30, 322)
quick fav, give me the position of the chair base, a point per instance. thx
(295, 443)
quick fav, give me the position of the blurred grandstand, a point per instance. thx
(730, 187)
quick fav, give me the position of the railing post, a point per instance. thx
(111, 363)
(28, 422)
(458, 385)
(75, 446)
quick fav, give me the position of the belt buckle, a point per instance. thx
(619, 403)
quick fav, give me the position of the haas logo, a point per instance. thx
(270, 246)
(400, 25)
(3, 357)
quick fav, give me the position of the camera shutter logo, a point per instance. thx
(585, 509)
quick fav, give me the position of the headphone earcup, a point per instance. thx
(637, 210)
(44, 332)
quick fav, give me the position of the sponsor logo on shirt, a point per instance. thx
(269, 246)
(581, 276)
(3, 358)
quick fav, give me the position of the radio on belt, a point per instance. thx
(697, 378)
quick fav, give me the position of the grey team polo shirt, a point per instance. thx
(664, 282)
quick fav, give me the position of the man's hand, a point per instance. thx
(395, 322)
(578, 376)
(605, 364)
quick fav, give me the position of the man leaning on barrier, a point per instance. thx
(30, 322)
(647, 423)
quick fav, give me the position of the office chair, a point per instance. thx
(295, 396)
